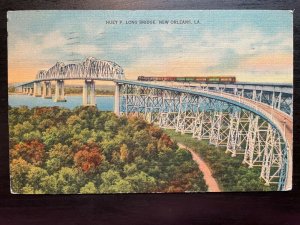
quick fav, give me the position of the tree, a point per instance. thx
(151, 149)
(111, 126)
(89, 188)
(45, 124)
(33, 135)
(155, 131)
(112, 182)
(62, 153)
(35, 176)
(53, 165)
(69, 180)
(84, 135)
(31, 151)
(20, 129)
(18, 172)
(141, 182)
(88, 158)
(49, 184)
(123, 153)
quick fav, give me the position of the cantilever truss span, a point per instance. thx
(91, 68)
(237, 126)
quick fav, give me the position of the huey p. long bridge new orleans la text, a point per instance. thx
(252, 119)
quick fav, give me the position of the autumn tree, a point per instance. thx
(88, 158)
(31, 151)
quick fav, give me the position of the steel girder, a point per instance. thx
(91, 68)
(223, 124)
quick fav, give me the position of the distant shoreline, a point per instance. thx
(109, 95)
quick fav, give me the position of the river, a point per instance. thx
(104, 103)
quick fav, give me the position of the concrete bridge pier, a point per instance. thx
(37, 89)
(117, 100)
(88, 93)
(30, 91)
(59, 91)
(47, 90)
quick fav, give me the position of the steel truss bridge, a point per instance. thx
(251, 119)
(259, 131)
(89, 70)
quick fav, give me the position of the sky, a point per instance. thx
(251, 45)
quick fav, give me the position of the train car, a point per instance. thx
(201, 79)
(210, 79)
(169, 78)
(213, 80)
(180, 79)
(227, 79)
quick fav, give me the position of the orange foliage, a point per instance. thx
(155, 131)
(45, 110)
(166, 140)
(31, 151)
(88, 158)
(123, 152)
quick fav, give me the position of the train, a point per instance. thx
(209, 79)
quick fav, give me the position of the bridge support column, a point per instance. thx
(254, 95)
(117, 100)
(279, 100)
(273, 100)
(88, 93)
(30, 91)
(59, 91)
(37, 89)
(47, 90)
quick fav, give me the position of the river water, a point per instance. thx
(104, 103)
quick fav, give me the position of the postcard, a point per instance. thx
(150, 101)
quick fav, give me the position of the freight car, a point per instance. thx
(216, 79)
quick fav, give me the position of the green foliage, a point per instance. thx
(84, 150)
(89, 188)
(231, 174)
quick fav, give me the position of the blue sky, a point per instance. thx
(251, 45)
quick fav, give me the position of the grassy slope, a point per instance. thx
(230, 173)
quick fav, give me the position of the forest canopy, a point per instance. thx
(58, 150)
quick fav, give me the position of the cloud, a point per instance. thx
(53, 39)
(269, 62)
(122, 46)
(140, 42)
(86, 50)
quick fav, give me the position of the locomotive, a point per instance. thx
(216, 79)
